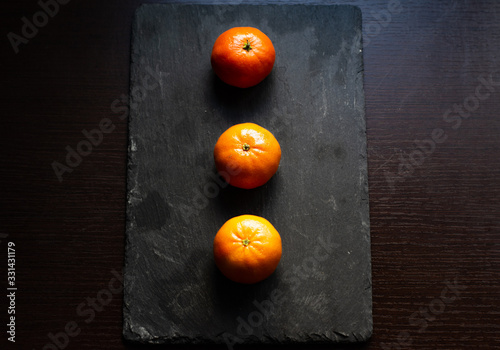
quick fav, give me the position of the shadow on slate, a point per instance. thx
(238, 103)
(313, 102)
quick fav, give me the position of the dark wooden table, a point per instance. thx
(432, 86)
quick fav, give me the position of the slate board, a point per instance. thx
(313, 103)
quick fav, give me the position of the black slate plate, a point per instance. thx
(313, 103)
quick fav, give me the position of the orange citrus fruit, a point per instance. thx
(243, 56)
(247, 155)
(247, 249)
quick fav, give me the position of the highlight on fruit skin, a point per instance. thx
(247, 155)
(243, 56)
(247, 249)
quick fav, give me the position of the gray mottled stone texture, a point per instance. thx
(313, 103)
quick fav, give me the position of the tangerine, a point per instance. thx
(247, 155)
(247, 249)
(243, 56)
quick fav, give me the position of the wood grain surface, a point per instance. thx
(432, 86)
